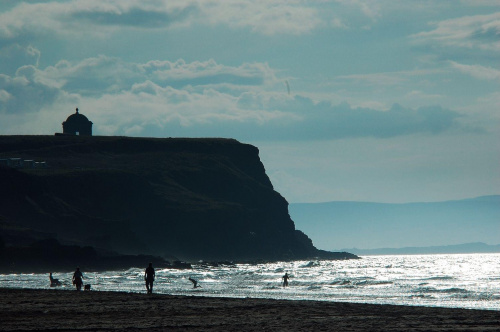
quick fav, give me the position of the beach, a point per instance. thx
(52, 309)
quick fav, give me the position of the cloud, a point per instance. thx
(24, 93)
(389, 78)
(475, 3)
(109, 75)
(15, 55)
(81, 17)
(338, 23)
(265, 17)
(480, 32)
(369, 8)
(477, 71)
(261, 116)
(323, 120)
(202, 98)
(98, 18)
(138, 14)
(180, 73)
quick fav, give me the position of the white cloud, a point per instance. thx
(477, 71)
(471, 32)
(338, 23)
(23, 93)
(417, 94)
(4, 96)
(108, 75)
(15, 55)
(83, 17)
(129, 98)
(208, 73)
(475, 3)
(266, 17)
(389, 78)
(369, 8)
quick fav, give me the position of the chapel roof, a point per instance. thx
(77, 118)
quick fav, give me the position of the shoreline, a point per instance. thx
(51, 309)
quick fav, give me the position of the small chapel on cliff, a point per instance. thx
(77, 124)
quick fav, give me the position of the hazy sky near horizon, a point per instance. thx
(365, 100)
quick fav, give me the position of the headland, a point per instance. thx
(175, 198)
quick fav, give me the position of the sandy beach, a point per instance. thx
(43, 310)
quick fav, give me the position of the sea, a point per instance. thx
(470, 281)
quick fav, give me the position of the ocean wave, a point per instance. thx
(341, 282)
(310, 264)
(440, 278)
(272, 287)
(360, 282)
(421, 296)
(452, 290)
(373, 282)
(314, 287)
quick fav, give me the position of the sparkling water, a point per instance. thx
(457, 281)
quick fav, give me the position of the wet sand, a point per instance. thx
(43, 310)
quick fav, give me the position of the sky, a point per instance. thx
(347, 100)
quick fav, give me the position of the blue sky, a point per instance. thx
(384, 101)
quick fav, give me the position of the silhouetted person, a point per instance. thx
(78, 279)
(195, 282)
(149, 276)
(285, 280)
(54, 282)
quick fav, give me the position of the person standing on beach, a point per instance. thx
(285, 280)
(149, 277)
(78, 279)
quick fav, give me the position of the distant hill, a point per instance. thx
(177, 198)
(466, 248)
(334, 225)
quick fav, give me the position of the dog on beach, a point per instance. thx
(87, 287)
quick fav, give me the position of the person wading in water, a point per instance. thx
(285, 280)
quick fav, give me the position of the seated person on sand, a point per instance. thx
(195, 282)
(78, 279)
(54, 282)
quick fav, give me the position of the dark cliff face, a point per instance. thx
(187, 198)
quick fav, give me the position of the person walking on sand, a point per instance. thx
(285, 280)
(149, 277)
(78, 279)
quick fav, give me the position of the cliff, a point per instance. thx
(187, 199)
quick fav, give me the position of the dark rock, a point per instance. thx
(49, 255)
(181, 265)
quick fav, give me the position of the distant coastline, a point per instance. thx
(466, 248)
(385, 226)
